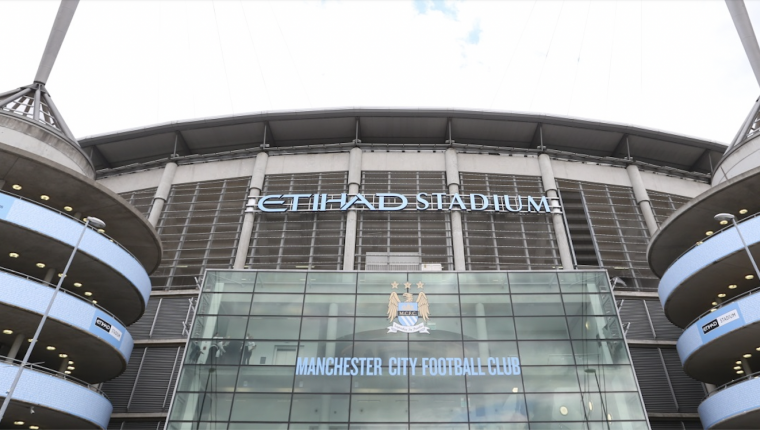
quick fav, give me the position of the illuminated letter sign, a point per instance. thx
(396, 202)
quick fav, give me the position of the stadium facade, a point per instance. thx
(374, 269)
(326, 209)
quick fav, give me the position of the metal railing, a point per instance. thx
(707, 238)
(70, 217)
(734, 382)
(731, 300)
(12, 362)
(64, 291)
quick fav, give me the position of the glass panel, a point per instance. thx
(382, 350)
(488, 306)
(589, 304)
(435, 350)
(274, 327)
(594, 328)
(198, 378)
(322, 384)
(494, 384)
(230, 282)
(480, 283)
(583, 282)
(280, 352)
(280, 282)
(319, 407)
(438, 408)
(375, 329)
(225, 304)
(545, 353)
(607, 378)
(327, 328)
(438, 427)
(600, 352)
(550, 379)
(260, 407)
(375, 305)
(435, 283)
(497, 407)
(441, 305)
(483, 350)
(538, 304)
(333, 304)
(555, 407)
(500, 426)
(385, 383)
(327, 349)
(442, 329)
(268, 379)
(618, 406)
(254, 426)
(212, 326)
(488, 328)
(379, 408)
(427, 383)
(201, 407)
(541, 328)
(333, 283)
(379, 282)
(522, 282)
(277, 304)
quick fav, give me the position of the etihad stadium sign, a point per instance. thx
(397, 202)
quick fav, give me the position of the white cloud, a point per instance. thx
(676, 66)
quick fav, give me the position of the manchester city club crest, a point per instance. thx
(409, 311)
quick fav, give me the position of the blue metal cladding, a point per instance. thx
(734, 316)
(698, 258)
(27, 294)
(66, 230)
(730, 402)
(57, 393)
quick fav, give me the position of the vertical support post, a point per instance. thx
(15, 347)
(246, 231)
(457, 237)
(354, 180)
(162, 193)
(550, 188)
(642, 198)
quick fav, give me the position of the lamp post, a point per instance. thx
(89, 221)
(725, 217)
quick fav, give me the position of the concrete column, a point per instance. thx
(15, 348)
(745, 367)
(257, 184)
(162, 193)
(64, 365)
(642, 197)
(457, 237)
(558, 222)
(354, 181)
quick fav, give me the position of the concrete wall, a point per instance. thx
(590, 172)
(504, 165)
(746, 157)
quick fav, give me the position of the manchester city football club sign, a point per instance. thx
(409, 311)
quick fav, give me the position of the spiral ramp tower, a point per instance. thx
(704, 255)
(47, 187)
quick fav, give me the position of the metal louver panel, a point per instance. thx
(689, 392)
(664, 328)
(119, 389)
(154, 379)
(136, 425)
(653, 380)
(633, 311)
(141, 329)
(171, 315)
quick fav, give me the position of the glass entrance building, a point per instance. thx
(479, 350)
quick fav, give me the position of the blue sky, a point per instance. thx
(674, 66)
